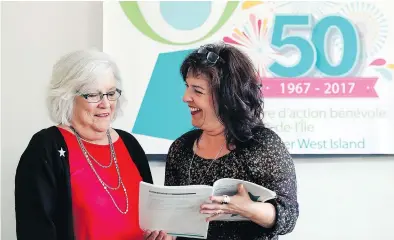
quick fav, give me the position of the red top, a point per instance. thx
(95, 215)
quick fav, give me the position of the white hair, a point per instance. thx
(74, 72)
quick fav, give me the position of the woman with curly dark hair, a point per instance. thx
(223, 92)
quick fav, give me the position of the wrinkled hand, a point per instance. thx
(239, 204)
(157, 235)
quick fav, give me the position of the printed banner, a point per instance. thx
(326, 68)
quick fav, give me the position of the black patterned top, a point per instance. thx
(264, 161)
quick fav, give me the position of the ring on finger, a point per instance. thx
(226, 199)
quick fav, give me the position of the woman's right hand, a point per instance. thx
(157, 235)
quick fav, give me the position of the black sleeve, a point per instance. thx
(35, 192)
(274, 168)
(171, 171)
(137, 154)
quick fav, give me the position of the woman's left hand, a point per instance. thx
(238, 204)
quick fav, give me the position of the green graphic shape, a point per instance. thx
(134, 14)
(253, 197)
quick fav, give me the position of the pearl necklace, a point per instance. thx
(113, 158)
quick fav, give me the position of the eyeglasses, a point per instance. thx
(97, 97)
(212, 57)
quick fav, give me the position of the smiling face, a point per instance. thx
(199, 98)
(96, 116)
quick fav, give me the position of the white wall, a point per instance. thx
(341, 198)
(34, 35)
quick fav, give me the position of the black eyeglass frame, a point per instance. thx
(86, 95)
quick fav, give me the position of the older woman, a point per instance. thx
(231, 141)
(80, 179)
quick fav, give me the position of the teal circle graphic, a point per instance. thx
(185, 15)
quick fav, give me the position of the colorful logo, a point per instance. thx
(322, 50)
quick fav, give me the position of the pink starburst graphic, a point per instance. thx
(253, 38)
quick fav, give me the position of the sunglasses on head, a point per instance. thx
(211, 57)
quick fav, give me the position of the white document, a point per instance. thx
(176, 209)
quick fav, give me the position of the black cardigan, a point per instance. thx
(43, 206)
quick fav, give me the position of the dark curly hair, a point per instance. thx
(235, 88)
